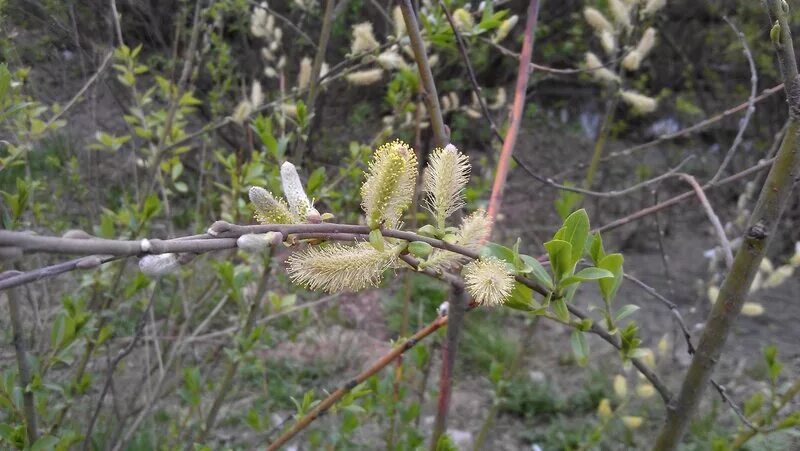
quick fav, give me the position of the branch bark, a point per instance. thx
(762, 225)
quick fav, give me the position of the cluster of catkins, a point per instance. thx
(609, 33)
(387, 193)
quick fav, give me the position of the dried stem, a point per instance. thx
(762, 225)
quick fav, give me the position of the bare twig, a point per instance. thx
(24, 364)
(715, 222)
(510, 140)
(750, 103)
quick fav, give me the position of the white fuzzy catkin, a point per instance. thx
(609, 42)
(304, 76)
(363, 39)
(597, 20)
(634, 58)
(256, 95)
(365, 77)
(294, 191)
(597, 70)
(399, 22)
(158, 265)
(640, 103)
(621, 13)
(390, 59)
(253, 242)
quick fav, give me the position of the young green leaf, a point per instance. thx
(561, 310)
(626, 311)
(608, 287)
(579, 347)
(560, 253)
(534, 268)
(588, 274)
(576, 230)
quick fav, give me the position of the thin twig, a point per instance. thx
(24, 364)
(715, 222)
(510, 140)
(750, 103)
(80, 92)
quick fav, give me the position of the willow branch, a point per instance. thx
(762, 224)
(440, 135)
(24, 364)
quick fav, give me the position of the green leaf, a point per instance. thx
(561, 310)
(626, 311)
(608, 287)
(534, 268)
(5, 82)
(376, 240)
(579, 347)
(588, 274)
(63, 331)
(420, 249)
(596, 251)
(560, 255)
(315, 180)
(576, 231)
(498, 251)
(521, 298)
(45, 443)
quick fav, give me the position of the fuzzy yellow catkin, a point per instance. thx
(488, 281)
(505, 28)
(365, 77)
(632, 422)
(645, 391)
(258, 21)
(336, 268)
(597, 20)
(500, 99)
(712, 294)
(640, 103)
(444, 181)
(779, 276)
(597, 70)
(268, 209)
(620, 386)
(472, 234)
(604, 410)
(390, 183)
(242, 112)
(304, 75)
(752, 309)
(363, 39)
(463, 20)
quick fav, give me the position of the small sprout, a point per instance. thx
(752, 309)
(640, 103)
(444, 181)
(88, 262)
(632, 422)
(604, 410)
(158, 265)
(488, 281)
(645, 391)
(390, 184)
(363, 39)
(313, 216)
(620, 386)
(336, 268)
(268, 209)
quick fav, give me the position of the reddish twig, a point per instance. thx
(510, 140)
